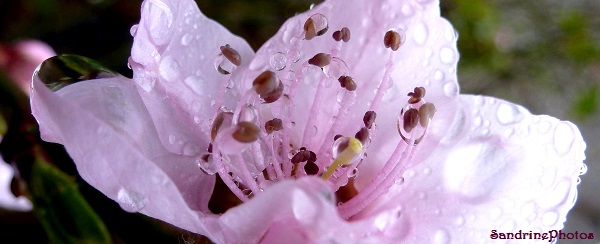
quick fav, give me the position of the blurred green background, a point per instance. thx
(543, 54)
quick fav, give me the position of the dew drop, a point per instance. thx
(197, 119)
(340, 96)
(131, 201)
(450, 89)
(133, 30)
(340, 145)
(186, 39)
(508, 114)
(196, 84)
(399, 181)
(223, 65)
(278, 61)
(321, 23)
(169, 68)
(420, 33)
(352, 174)
(294, 55)
(336, 68)
(563, 138)
(477, 121)
(447, 55)
(438, 75)
(208, 165)
(441, 236)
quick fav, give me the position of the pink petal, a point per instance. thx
(21, 59)
(173, 55)
(7, 199)
(427, 58)
(108, 132)
(500, 168)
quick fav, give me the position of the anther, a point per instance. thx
(246, 132)
(310, 29)
(222, 118)
(362, 135)
(411, 119)
(273, 125)
(416, 96)
(231, 54)
(300, 156)
(320, 60)
(274, 95)
(426, 112)
(210, 147)
(392, 40)
(369, 118)
(342, 35)
(347, 82)
(265, 83)
(311, 168)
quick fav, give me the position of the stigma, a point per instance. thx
(256, 142)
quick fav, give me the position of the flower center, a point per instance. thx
(251, 150)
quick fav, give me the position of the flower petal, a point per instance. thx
(107, 130)
(173, 55)
(427, 58)
(500, 168)
(297, 211)
(7, 199)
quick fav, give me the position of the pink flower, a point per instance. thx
(434, 166)
(20, 60)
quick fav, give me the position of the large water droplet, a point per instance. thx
(131, 201)
(420, 33)
(450, 89)
(438, 75)
(340, 145)
(63, 70)
(169, 68)
(196, 84)
(508, 114)
(207, 166)
(278, 61)
(441, 236)
(223, 65)
(447, 55)
(399, 181)
(563, 138)
(248, 114)
(336, 68)
(321, 23)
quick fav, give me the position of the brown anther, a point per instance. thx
(265, 82)
(209, 147)
(337, 35)
(322, 31)
(311, 168)
(273, 125)
(274, 95)
(345, 34)
(362, 135)
(310, 29)
(369, 118)
(413, 100)
(411, 119)
(231, 54)
(392, 40)
(312, 157)
(320, 60)
(300, 156)
(347, 82)
(336, 137)
(222, 117)
(246, 132)
(426, 112)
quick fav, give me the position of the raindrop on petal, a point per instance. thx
(131, 201)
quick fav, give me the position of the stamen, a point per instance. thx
(310, 29)
(362, 135)
(320, 60)
(393, 40)
(342, 35)
(273, 125)
(246, 132)
(346, 157)
(223, 120)
(316, 25)
(369, 118)
(347, 82)
(265, 83)
(231, 54)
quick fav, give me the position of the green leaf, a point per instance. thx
(62, 210)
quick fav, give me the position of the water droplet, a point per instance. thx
(352, 174)
(169, 68)
(278, 61)
(477, 121)
(340, 96)
(133, 29)
(159, 21)
(294, 55)
(131, 201)
(336, 68)
(563, 138)
(196, 84)
(257, 63)
(441, 236)
(248, 114)
(186, 39)
(197, 120)
(451, 89)
(207, 166)
(438, 75)
(223, 65)
(146, 83)
(190, 149)
(507, 114)
(340, 145)
(583, 169)
(321, 23)
(420, 33)
(447, 55)
(399, 181)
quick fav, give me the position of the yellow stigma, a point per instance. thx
(345, 157)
